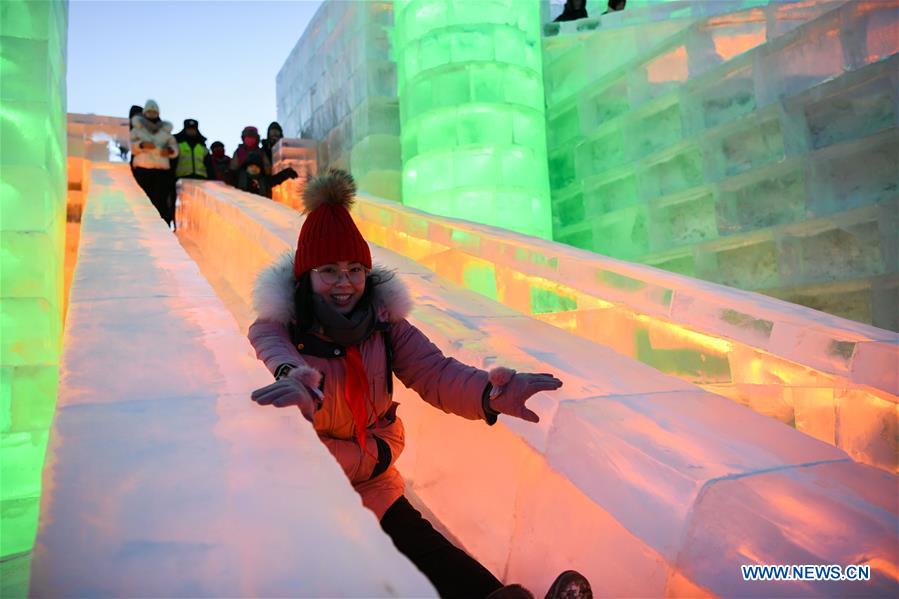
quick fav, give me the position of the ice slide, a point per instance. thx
(162, 476)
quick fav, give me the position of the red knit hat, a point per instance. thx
(329, 233)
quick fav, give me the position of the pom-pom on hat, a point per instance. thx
(329, 233)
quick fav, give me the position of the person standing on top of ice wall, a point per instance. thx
(332, 329)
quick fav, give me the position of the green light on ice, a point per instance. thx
(32, 239)
(470, 86)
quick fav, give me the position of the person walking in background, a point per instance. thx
(218, 163)
(152, 148)
(193, 156)
(274, 134)
(332, 330)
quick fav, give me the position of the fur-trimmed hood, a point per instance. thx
(139, 121)
(274, 289)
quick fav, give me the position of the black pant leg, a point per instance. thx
(453, 572)
(173, 194)
(157, 189)
(148, 180)
(143, 177)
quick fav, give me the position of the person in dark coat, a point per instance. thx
(251, 176)
(218, 163)
(251, 170)
(133, 112)
(275, 134)
(249, 138)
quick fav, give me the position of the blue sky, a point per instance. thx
(215, 61)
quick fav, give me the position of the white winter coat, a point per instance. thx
(159, 135)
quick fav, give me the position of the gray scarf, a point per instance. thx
(340, 329)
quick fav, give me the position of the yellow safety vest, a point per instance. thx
(191, 161)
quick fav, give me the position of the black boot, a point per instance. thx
(573, 10)
(615, 6)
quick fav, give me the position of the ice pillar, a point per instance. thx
(473, 130)
(32, 226)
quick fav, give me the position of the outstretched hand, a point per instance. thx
(512, 389)
(286, 392)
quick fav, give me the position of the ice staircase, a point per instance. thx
(754, 148)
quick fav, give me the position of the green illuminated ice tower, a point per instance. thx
(32, 227)
(473, 130)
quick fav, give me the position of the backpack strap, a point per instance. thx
(384, 328)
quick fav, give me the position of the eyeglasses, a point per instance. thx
(331, 274)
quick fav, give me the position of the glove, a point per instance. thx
(291, 174)
(511, 390)
(288, 392)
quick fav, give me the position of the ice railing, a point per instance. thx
(646, 483)
(832, 378)
(162, 478)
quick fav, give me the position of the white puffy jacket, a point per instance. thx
(159, 135)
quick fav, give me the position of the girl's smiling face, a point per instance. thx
(340, 284)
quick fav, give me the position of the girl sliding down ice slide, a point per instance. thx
(333, 332)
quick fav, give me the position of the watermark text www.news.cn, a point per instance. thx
(806, 572)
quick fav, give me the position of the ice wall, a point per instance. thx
(470, 86)
(739, 141)
(302, 156)
(754, 148)
(649, 485)
(32, 220)
(338, 86)
(163, 479)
